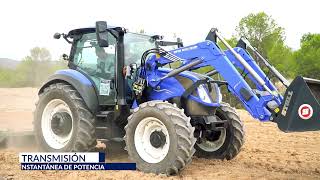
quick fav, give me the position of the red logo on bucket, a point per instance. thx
(305, 111)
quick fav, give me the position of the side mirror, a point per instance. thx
(65, 57)
(102, 33)
(57, 35)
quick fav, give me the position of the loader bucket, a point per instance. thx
(300, 109)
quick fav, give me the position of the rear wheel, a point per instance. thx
(225, 143)
(62, 121)
(159, 138)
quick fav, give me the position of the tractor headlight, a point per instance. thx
(204, 96)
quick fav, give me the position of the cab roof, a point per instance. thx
(80, 31)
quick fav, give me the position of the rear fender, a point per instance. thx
(80, 82)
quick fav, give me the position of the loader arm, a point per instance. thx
(244, 72)
(209, 54)
(243, 53)
(244, 44)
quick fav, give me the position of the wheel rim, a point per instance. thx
(211, 146)
(144, 146)
(50, 123)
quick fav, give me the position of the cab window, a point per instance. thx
(135, 45)
(92, 58)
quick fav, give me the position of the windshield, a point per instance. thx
(135, 45)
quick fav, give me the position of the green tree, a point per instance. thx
(232, 42)
(35, 68)
(281, 56)
(308, 56)
(261, 30)
(7, 77)
(268, 37)
(40, 54)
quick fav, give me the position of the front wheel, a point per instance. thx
(225, 143)
(159, 138)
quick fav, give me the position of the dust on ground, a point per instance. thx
(267, 153)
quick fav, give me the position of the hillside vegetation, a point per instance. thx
(31, 71)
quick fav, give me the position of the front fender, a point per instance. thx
(80, 82)
(167, 89)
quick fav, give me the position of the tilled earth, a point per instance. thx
(267, 153)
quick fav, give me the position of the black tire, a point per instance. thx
(83, 136)
(180, 131)
(234, 138)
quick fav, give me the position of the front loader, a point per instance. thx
(117, 88)
(299, 114)
(299, 108)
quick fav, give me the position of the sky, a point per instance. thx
(27, 24)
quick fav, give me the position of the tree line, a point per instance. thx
(32, 70)
(269, 38)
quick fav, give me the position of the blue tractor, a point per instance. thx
(118, 88)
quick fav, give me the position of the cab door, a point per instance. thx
(98, 64)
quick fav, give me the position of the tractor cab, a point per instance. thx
(99, 63)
